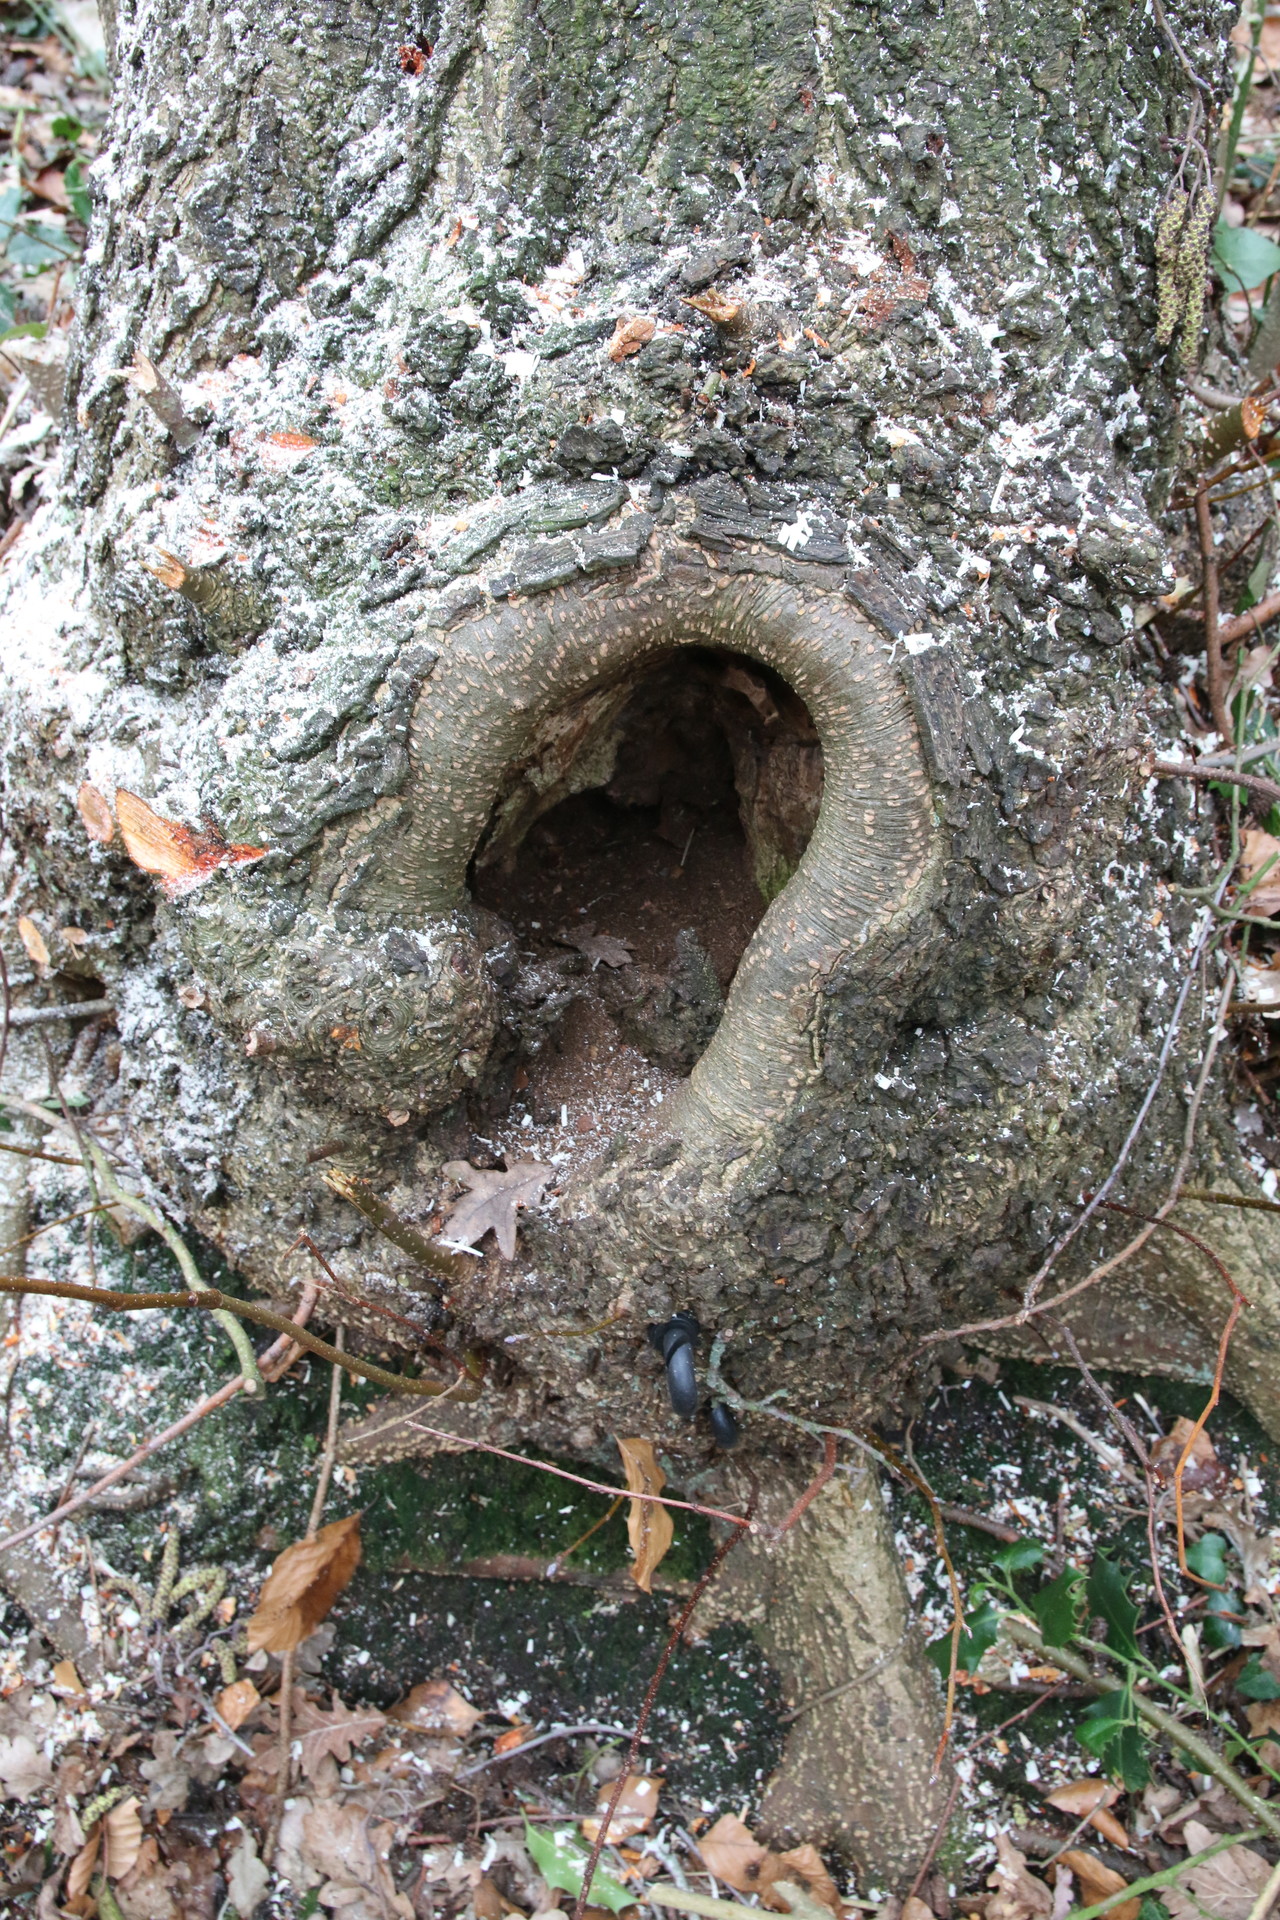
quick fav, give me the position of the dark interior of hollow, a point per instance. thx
(707, 778)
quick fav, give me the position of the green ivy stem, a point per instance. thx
(99, 1170)
(1207, 1758)
(1167, 1876)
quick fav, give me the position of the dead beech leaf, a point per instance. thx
(629, 336)
(302, 1585)
(649, 1527)
(179, 857)
(804, 1863)
(513, 1737)
(80, 1872)
(121, 1838)
(96, 815)
(1098, 1882)
(732, 1853)
(236, 1702)
(635, 1810)
(493, 1201)
(33, 940)
(436, 1707)
(1089, 1799)
(1226, 1886)
(1017, 1894)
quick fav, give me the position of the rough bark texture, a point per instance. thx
(428, 536)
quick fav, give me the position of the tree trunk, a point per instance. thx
(586, 432)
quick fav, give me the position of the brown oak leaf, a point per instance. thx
(493, 1200)
(302, 1585)
(1017, 1894)
(321, 1731)
(597, 947)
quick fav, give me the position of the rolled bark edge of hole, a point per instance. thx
(403, 1016)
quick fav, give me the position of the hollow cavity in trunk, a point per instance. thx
(633, 853)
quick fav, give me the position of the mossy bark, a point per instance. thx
(917, 431)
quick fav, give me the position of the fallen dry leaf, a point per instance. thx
(1203, 1471)
(179, 857)
(649, 1527)
(66, 1680)
(629, 336)
(1226, 1886)
(805, 1864)
(1017, 1894)
(492, 1202)
(732, 1853)
(80, 1872)
(635, 1810)
(24, 1771)
(121, 1838)
(513, 1737)
(597, 947)
(915, 1909)
(322, 1732)
(99, 823)
(236, 1702)
(351, 1851)
(1267, 1639)
(1263, 1717)
(1089, 1799)
(33, 940)
(436, 1707)
(302, 1585)
(1260, 854)
(1098, 1883)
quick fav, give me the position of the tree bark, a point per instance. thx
(403, 571)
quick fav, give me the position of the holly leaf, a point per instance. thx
(493, 1200)
(1255, 1683)
(649, 1527)
(1219, 1629)
(1057, 1606)
(1019, 1555)
(302, 1585)
(562, 1862)
(1109, 1730)
(1208, 1557)
(979, 1632)
(1108, 1598)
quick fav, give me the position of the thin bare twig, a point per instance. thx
(939, 1835)
(1216, 777)
(814, 1487)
